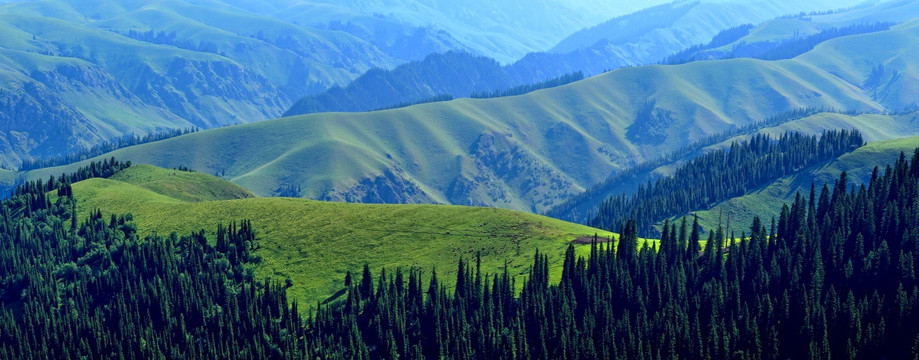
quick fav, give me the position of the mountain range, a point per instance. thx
(85, 73)
(644, 37)
(531, 152)
(556, 202)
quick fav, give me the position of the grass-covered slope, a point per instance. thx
(76, 73)
(181, 185)
(315, 243)
(524, 152)
(873, 127)
(529, 152)
(767, 201)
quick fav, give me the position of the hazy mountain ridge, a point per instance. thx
(121, 67)
(776, 38)
(504, 30)
(640, 38)
(451, 73)
(650, 35)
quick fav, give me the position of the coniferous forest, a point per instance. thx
(833, 276)
(78, 286)
(411, 179)
(720, 175)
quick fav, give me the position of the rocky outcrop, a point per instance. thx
(391, 187)
(506, 172)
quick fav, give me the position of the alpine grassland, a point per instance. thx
(315, 243)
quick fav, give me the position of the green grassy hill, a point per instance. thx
(524, 152)
(531, 152)
(873, 127)
(315, 243)
(181, 185)
(86, 72)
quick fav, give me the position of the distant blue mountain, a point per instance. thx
(644, 37)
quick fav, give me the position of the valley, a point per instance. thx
(402, 179)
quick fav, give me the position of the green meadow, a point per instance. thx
(315, 243)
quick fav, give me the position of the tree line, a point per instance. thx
(720, 175)
(438, 77)
(581, 207)
(83, 286)
(106, 147)
(799, 45)
(723, 38)
(528, 88)
(170, 38)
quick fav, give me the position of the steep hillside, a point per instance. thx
(767, 201)
(873, 127)
(82, 73)
(315, 243)
(69, 104)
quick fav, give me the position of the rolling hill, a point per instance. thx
(533, 151)
(888, 136)
(873, 127)
(315, 243)
(640, 38)
(85, 72)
